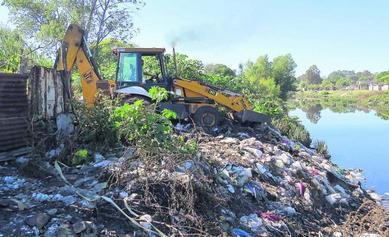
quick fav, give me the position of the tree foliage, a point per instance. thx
(281, 70)
(219, 70)
(383, 77)
(11, 47)
(312, 75)
(44, 23)
(15, 56)
(186, 67)
(107, 61)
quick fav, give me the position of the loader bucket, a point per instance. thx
(251, 116)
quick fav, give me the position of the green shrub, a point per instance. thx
(95, 125)
(293, 129)
(139, 126)
(81, 156)
(322, 148)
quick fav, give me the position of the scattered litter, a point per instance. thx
(236, 232)
(253, 222)
(103, 163)
(253, 182)
(270, 216)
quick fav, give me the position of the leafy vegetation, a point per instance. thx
(44, 22)
(15, 56)
(109, 124)
(322, 148)
(81, 156)
(292, 127)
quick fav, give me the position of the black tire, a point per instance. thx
(132, 98)
(207, 117)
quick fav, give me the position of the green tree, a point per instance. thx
(383, 77)
(365, 76)
(254, 72)
(44, 23)
(15, 55)
(107, 61)
(343, 74)
(11, 48)
(219, 70)
(327, 84)
(283, 71)
(343, 82)
(312, 75)
(186, 67)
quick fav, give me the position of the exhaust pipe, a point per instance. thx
(175, 62)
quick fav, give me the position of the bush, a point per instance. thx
(322, 148)
(108, 124)
(95, 125)
(80, 157)
(138, 125)
(292, 128)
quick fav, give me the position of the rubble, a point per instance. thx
(242, 182)
(39, 220)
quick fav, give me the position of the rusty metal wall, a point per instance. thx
(13, 111)
(47, 95)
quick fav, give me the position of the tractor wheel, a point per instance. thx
(207, 117)
(131, 99)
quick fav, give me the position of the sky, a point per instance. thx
(333, 34)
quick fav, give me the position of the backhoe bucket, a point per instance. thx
(251, 116)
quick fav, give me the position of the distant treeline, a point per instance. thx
(341, 79)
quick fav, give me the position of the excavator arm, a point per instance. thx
(231, 100)
(74, 51)
(237, 103)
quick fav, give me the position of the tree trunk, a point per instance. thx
(90, 19)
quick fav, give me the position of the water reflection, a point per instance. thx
(313, 113)
(313, 109)
(356, 139)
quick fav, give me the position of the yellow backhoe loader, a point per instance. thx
(190, 98)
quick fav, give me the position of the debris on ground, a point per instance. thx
(242, 182)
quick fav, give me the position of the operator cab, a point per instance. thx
(144, 67)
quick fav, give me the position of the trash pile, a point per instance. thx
(242, 182)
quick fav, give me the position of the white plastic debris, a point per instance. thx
(231, 188)
(290, 211)
(103, 163)
(333, 198)
(55, 152)
(242, 175)
(123, 194)
(286, 159)
(375, 196)
(256, 152)
(336, 234)
(185, 166)
(11, 183)
(252, 221)
(99, 157)
(339, 189)
(42, 197)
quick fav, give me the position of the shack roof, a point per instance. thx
(139, 50)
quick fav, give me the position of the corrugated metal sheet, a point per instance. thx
(13, 111)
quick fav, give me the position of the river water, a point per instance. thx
(355, 139)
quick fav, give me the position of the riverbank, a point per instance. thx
(342, 101)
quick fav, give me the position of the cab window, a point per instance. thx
(151, 68)
(128, 67)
